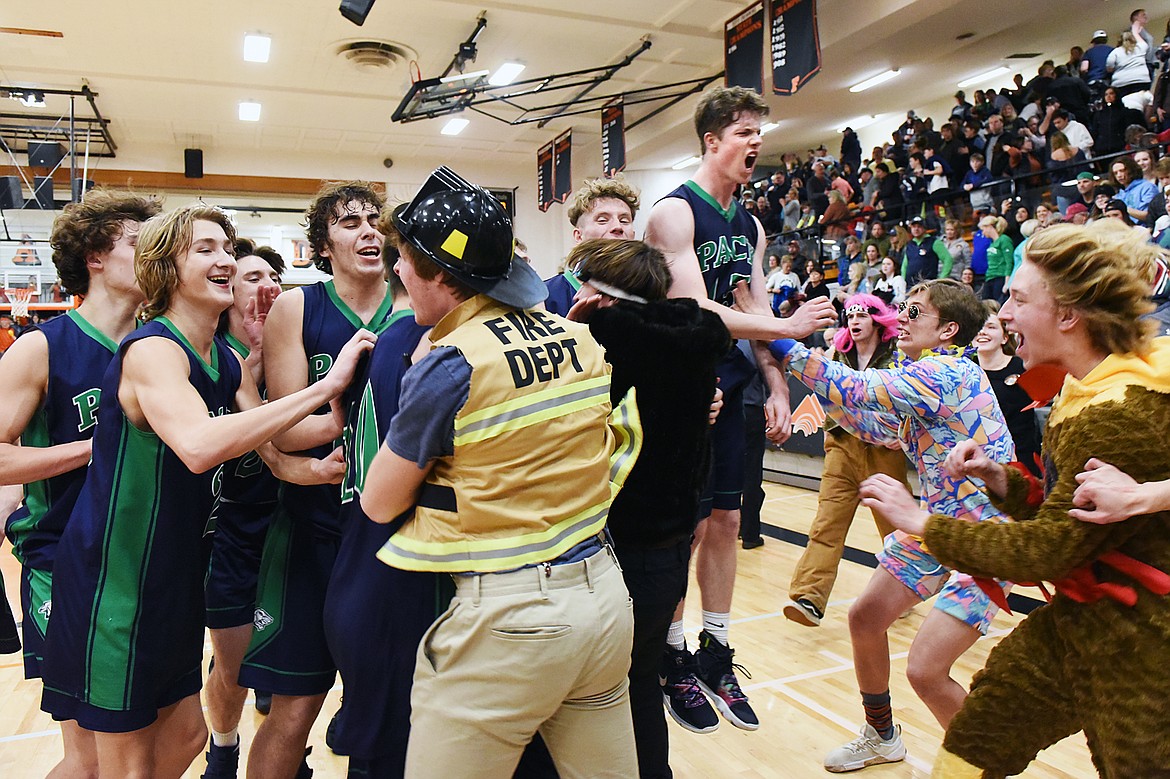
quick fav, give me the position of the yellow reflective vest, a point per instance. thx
(538, 450)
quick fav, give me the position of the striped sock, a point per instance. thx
(878, 713)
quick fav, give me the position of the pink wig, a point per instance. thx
(885, 319)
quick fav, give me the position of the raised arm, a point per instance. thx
(1052, 543)
(671, 230)
(24, 374)
(156, 395)
(915, 389)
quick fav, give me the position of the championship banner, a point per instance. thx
(796, 45)
(562, 167)
(613, 138)
(544, 177)
(743, 49)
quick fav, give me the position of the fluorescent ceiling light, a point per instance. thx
(984, 76)
(463, 76)
(880, 78)
(506, 74)
(768, 127)
(455, 126)
(256, 47)
(249, 111)
(688, 162)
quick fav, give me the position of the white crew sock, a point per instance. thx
(716, 624)
(230, 739)
(674, 636)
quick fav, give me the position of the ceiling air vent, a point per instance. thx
(1024, 55)
(374, 56)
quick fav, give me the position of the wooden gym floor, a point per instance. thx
(802, 684)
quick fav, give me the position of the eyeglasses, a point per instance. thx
(912, 311)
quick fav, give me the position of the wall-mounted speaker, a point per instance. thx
(42, 194)
(193, 163)
(45, 155)
(10, 194)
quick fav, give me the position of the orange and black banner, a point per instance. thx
(743, 49)
(613, 138)
(563, 167)
(796, 45)
(544, 177)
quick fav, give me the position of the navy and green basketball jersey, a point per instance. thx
(247, 479)
(368, 421)
(392, 607)
(561, 290)
(79, 355)
(126, 634)
(725, 241)
(327, 325)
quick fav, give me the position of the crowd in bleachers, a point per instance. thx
(1079, 141)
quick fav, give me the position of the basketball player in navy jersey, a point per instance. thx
(125, 643)
(246, 502)
(393, 607)
(714, 247)
(306, 329)
(52, 378)
(601, 208)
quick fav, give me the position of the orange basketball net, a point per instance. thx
(20, 298)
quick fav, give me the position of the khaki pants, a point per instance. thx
(848, 462)
(532, 650)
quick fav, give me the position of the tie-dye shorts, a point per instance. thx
(904, 557)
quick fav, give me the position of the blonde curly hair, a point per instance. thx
(593, 190)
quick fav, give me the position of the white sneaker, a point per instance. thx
(865, 751)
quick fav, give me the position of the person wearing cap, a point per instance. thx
(1093, 61)
(850, 149)
(924, 256)
(962, 109)
(1117, 209)
(1077, 213)
(1086, 190)
(508, 449)
(601, 208)
(1101, 197)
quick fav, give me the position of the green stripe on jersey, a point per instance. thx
(130, 527)
(378, 322)
(36, 493)
(211, 369)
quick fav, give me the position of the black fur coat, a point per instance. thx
(667, 350)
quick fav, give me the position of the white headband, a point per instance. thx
(614, 292)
